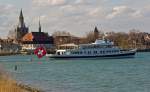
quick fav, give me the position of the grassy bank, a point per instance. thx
(9, 85)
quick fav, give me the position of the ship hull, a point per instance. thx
(121, 55)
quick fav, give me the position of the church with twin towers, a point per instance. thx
(22, 35)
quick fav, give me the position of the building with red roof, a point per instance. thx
(33, 40)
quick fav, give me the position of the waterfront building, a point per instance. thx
(7, 45)
(60, 39)
(33, 40)
(147, 40)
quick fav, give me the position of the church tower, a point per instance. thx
(21, 19)
(21, 29)
(39, 26)
(96, 33)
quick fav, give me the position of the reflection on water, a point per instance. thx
(85, 75)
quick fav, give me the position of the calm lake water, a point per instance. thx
(86, 75)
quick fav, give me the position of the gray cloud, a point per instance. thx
(79, 16)
(7, 18)
(48, 2)
(123, 11)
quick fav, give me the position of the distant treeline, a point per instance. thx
(133, 39)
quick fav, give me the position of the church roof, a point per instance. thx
(37, 37)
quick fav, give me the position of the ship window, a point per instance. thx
(58, 53)
(95, 52)
(81, 52)
(74, 52)
(89, 52)
(62, 53)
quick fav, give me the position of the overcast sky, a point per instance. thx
(76, 16)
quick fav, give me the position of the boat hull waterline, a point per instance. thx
(122, 55)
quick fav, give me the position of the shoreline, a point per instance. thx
(28, 88)
(7, 84)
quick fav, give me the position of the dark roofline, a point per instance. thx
(38, 42)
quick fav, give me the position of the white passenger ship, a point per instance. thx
(100, 48)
